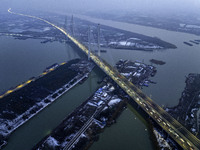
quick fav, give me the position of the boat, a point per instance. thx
(189, 44)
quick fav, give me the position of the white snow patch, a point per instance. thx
(182, 25)
(99, 123)
(161, 141)
(122, 43)
(192, 26)
(106, 107)
(193, 130)
(126, 74)
(114, 101)
(92, 104)
(186, 118)
(52, 142)
(192, 115)
(83, 135)
(46, 29)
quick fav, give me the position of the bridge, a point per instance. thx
(170, 125)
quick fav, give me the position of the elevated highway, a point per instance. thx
(174, 129)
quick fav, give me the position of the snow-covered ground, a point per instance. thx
(191, 26)
(80, 124)
(161, 141)
(114, 102)
(8, 126)
(135, 44)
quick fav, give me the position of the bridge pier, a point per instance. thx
(138, 106)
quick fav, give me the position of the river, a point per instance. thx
(170, 77)
(20, 61)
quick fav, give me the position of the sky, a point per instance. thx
(104, 5)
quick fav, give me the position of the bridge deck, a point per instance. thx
(179, 133)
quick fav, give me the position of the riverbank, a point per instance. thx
(120, 39)
(112, 37)
(187, 110)
(38, 94)
(181, 23)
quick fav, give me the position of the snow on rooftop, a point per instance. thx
(122, 43)
(99, 103)
(106, 107)
(83, 135)
(192, 26)
(104, 87)
(126, 74)
(92, 104)
(193, 130)
(99, 124)
(114, 101)
(52, 142)
(182, 25)
(46, 29)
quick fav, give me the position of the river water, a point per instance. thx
(170, 77)
(179, 62)
(39, 126)
(21, 60)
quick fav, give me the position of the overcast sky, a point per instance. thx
(105, 5)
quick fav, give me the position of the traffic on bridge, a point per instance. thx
(174, 129)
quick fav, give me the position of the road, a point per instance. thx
(85, 127)
(77, 136)
(179, 133)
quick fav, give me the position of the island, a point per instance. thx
(21, 103)
(110, 37)
(82, 127)
(136, 72)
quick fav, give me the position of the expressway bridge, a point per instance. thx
(171, 126)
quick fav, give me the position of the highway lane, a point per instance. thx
(146, 103)
(166, 121)
(155, 112)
